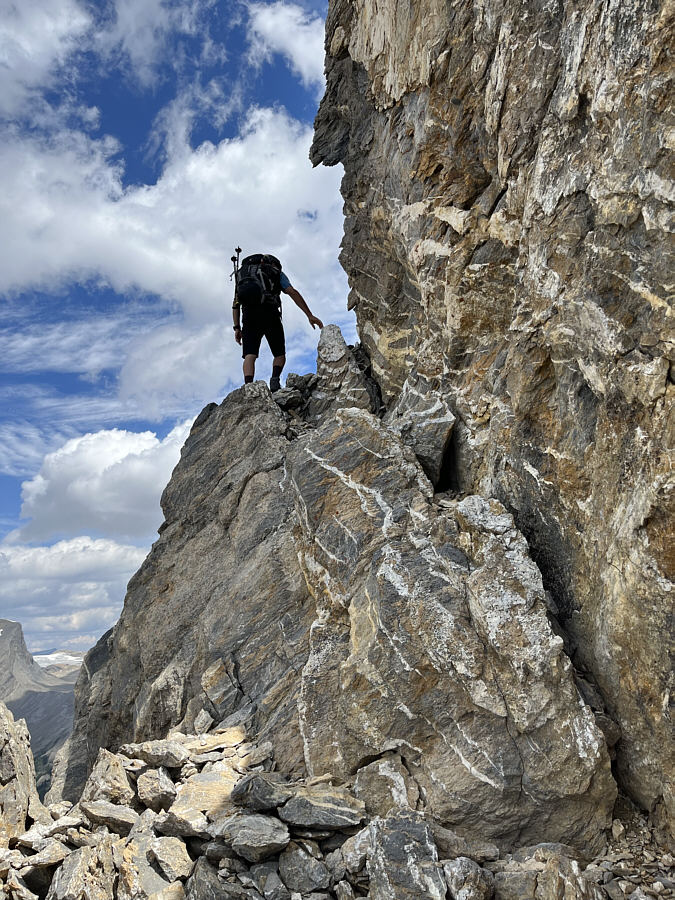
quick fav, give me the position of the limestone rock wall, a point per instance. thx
(309, 583)
(508, 202)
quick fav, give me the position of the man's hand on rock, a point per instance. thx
(313, 321)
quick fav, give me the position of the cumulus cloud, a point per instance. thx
(65, 589)
(106, 483)
(287, 29)
(140, 33)
(64, 214)
(36, 39)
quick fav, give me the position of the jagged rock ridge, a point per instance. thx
(308, 577)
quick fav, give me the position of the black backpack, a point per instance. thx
(259, 280)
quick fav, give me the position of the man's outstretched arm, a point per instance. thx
(299, 300)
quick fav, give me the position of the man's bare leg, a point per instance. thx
(249, 367)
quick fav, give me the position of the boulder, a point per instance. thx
(467, 881)
(156, 789)
(169, 753)
(138, 877)
(324, 808)
(172, 857)
(300, 871)
(109, 781)
(119, 819)
(402, 860)
(260, 791)
(254, 837)
(87, 873)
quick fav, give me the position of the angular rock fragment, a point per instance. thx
(423, 418)
(452, 845)
(467, 881)
(174, 891)
(385, 785)
(203, 722)
(109, 781)
(157, 753)
(36, 836)
(119, 819)
(204, 883)
(138, 877)
(208, 793)
(155, 789)
(255, 837)
(18, 889)
(267, 880)
(220, 685)
(354, 851)
(184, 822)
(324, 808)
(543, 875)
(340, 382)
(51, 853)
(172, 857)
(300, 871)
(259, 792)
(87, 873)
(402, 859)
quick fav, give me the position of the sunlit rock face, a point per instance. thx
(508, 211)
(309, 582)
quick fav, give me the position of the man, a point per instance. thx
(260, 280)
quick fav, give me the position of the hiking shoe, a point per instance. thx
(275, 383)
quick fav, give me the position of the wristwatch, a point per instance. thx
(236, 328)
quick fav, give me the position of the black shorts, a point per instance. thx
(262, 322)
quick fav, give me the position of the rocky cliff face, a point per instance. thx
(309, 581)
(391, 567)
(20, 805)
(44, 700)
(508, 205)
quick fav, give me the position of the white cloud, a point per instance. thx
(287, 29)
(140, 32)
(65, 215)
(106, 483)
(61, 590)
(85, 347)
(36, 38)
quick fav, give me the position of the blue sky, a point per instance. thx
(142, 140)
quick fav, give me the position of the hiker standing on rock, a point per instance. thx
(259, 283)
